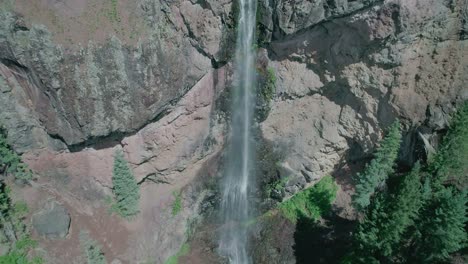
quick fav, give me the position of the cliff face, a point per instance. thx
(340, 82)
(79, 80)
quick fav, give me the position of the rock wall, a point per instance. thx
(342, 81)
(84, 93)
(80, 79)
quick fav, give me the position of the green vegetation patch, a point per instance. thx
(278, 186)
(450, 162)
(377, 171)
(184, 250)
(266, 92)
(11, 162)
(125, 188)
(14, 232)
(113, 13)
(269, 89)
(311, 203)
(92, 250)
(419, 217)
(177, 205)
(389, 217)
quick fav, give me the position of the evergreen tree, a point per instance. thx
(125, 187)
(450, 162)
(441, 230)
(378, 170)
(10, 161)
(389, 216)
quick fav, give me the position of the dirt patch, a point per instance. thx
(110, 231)
(343, 176)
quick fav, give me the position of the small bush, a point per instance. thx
(92, 250)
(270, 88)
(311, 203)
(125, 188)
(177, 205)
(184, 250)
(15, 231)
(276, 186)
(11, 162)
(265, 93)
(113, 13)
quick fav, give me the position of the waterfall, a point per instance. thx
(238, 179)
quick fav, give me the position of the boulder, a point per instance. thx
(53, 221)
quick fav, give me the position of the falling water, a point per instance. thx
(237, 182)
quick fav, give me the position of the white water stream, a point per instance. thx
(238, 182)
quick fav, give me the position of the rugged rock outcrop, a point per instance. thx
(82, 94)
(151, 77)
(340, 83)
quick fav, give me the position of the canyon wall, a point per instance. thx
(81, 79)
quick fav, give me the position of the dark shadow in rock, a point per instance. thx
(322, 243)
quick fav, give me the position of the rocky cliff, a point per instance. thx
(79, 79)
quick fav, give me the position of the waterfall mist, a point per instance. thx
(238, 179)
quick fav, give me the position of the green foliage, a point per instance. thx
(15, 230)
(311, 203)
(18, 255)
(441, 230)
(184, 250)
(389, 216)
(5, 202)
(10, 161)
(450, 162)
(125, 187)
(378, 170)
(113, 13)
(92, 250)
(267, 84)
(270, 88)
(423, 218)
(278, 186)
(177, 205)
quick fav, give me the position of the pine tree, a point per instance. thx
(10, 161)
(378, 170)
(450, 163)
(389, 216)
(441, 230)
(125, 187)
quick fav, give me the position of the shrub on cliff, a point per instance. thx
(311, 203)
(15, 232)
(378, 170)
(125, 188)
(92, 250)
(10, 162)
